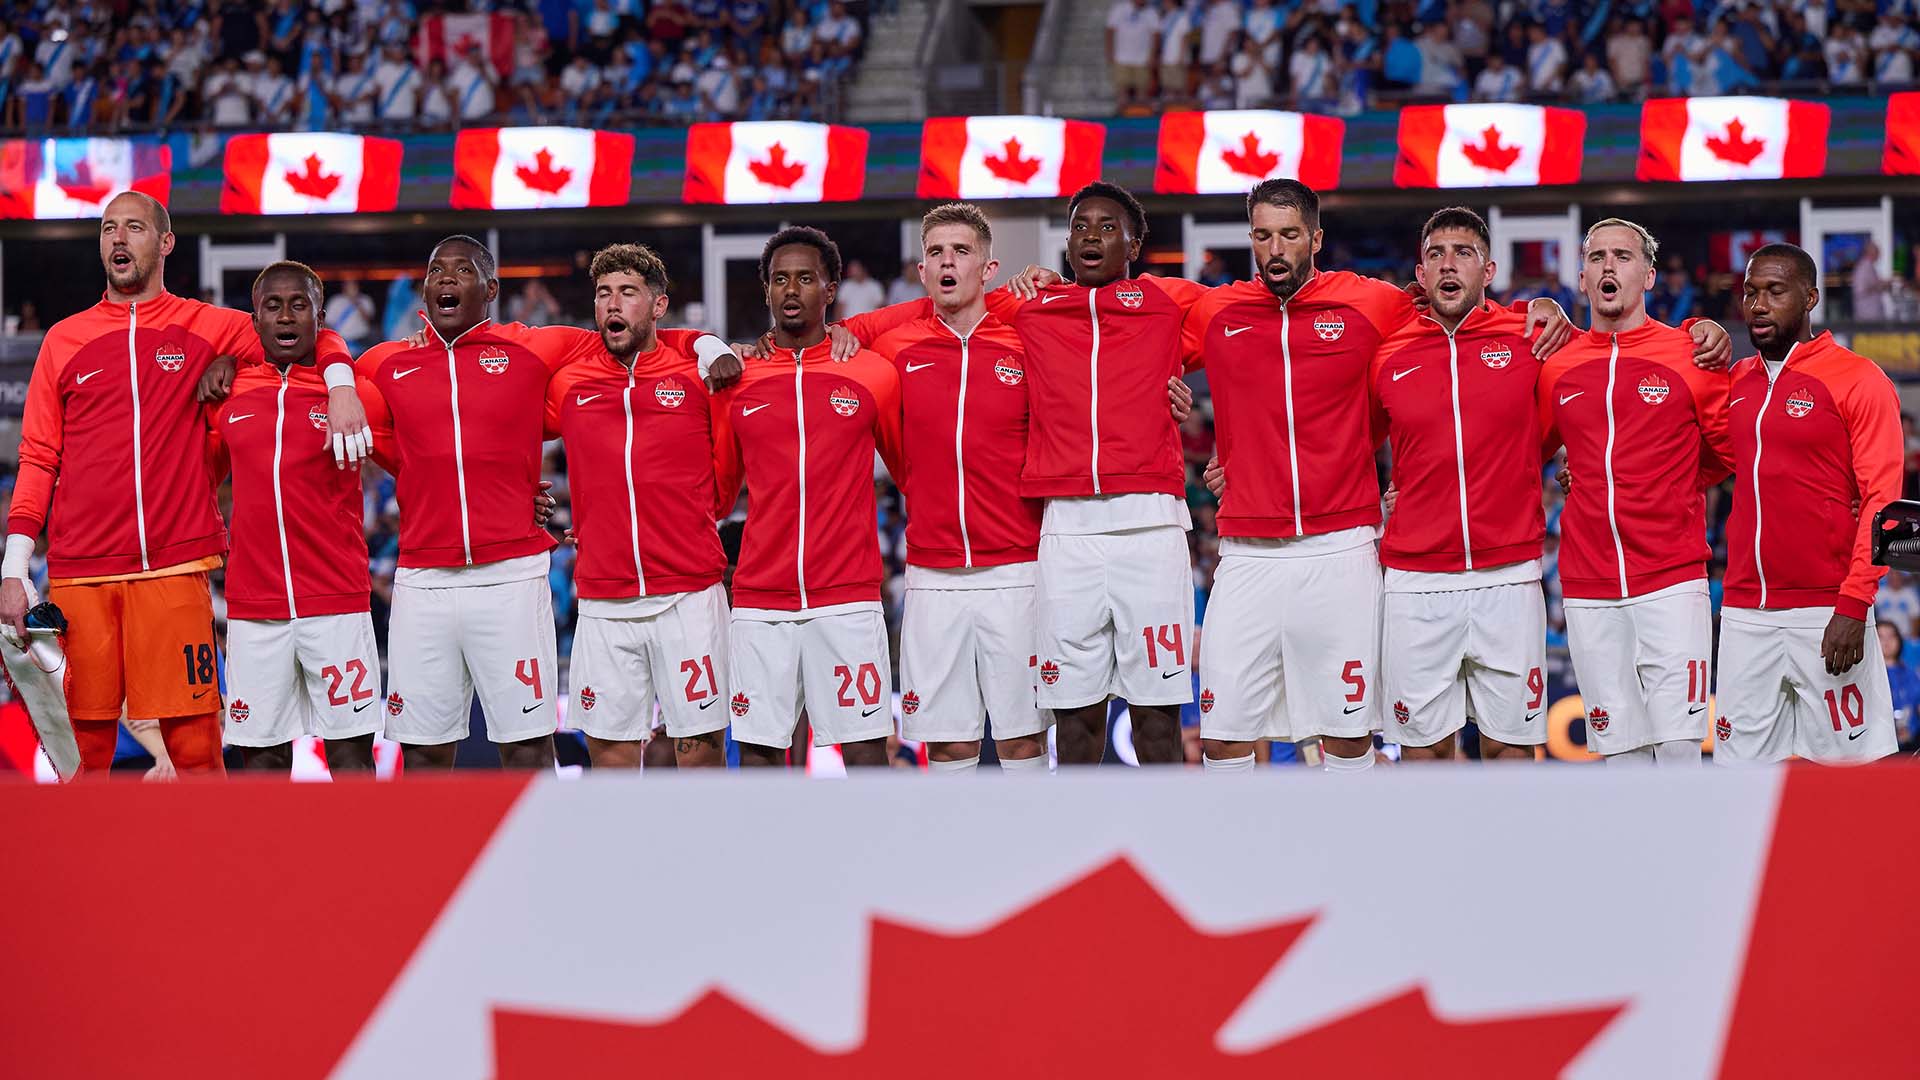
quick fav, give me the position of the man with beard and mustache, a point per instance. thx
(1645, 431)
(641, 432)
(1817, 452)
(113, 464)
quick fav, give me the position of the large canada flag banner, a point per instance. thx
(534, 168)
(1227, 151)
(446, 37)
(1902, 157)
(310, 173)
(76, 178)
(1007, 157)
(774, 162)
(1470, 146)
(1732, 138)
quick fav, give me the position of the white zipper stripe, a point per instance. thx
(1093, 383)
(800, 422)
(1293, 448)
(633, 502)
(1459, 442)
(459, 445)
(959, 464)
(1613, 520)
(139, 482)
(279, 505)
(1759, 567)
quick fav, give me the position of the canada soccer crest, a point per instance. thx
(1132, 296)
(170, 357)
(395, 703)
(1049, 673)
(1597, 719)
(669, 392)
(1800, 403)
(1008, 370)
(741, 704)
(317, 416)
(238, 711)
(493, 361)
(844, 400)
(1723, 728)
(1401, 712)
(1206, 701)
(910, 703)
(586, 698)
(1654, 389)
(1496, 356)
(1329, 327)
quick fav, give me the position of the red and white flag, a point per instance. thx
(1732, 138)
(76, 178)
(1229, 151)
(533, 168)
(1902, 157)
(1007, 157)
(446, 37)
(310, 173)
(774, 162)
(1473, 146)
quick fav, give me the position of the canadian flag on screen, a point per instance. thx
(310, 173)
(446, 37)
(75, 178)
(1731, 138)
(1007, 157)
(1467, 146)
(774, 162)
(536, 167)
(1228, 151)
(1902, 157)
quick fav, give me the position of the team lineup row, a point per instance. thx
(1029, 602)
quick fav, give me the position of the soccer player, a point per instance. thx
(1817, 452)
(1645, 431)
(640, 429)
(302, 658)
(807, 627)
(113, 463)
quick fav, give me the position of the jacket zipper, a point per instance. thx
(1093, 383)
(959, 434)
(1459, 437)
(1293, 451)
(279, 506)
(1613, 521)
(459, 445)
(633, 502)
(139, 482)
(1759, 565)
(800, 423)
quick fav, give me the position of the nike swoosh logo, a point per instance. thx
(870, 712)
(755, 409)
(708, 702)
(1045, 300)
(1350, 712)
(78, 379)
(1171, 674)
(1736, 401)
(1852, 735)
(363, 708)
(1571, 396)
(237, 417)
(1696, 710)
(201, 694)
(1398, 375)
(398, 375)
(531, 707)
(578, 400)
(1232, 330)
(911, 368)
(1531, 717)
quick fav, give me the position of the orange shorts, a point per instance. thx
(148, 643)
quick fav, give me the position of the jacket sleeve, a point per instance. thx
(888, 424)
(1710, 412)
(1193, 332)
(869, 326)
(232, 334)
(557, 387)
(42, 437)
(1550, 439)
(1871, 409)
(219, 454)
(728, 468)
(1182, 292)
(369, 363)
(386, 453)
(556, 346)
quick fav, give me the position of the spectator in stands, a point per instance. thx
(796, 41)
(534, 305)
(1216, 90)
(1546, 62)
(1681, 43)
(396, 86)
(1591, 85)
(228, 102)
(239, 28)
(353, 92)
(1262, 27)
(82, 94)
(1497, 82)
(470, 86)
(1400, 60)
(350, 313)
(272, 94)
(1674, 298)
(840, 33)
(1798, 55)
(1442, 68)
(1252, 79)
(1893, 44)
(436, 104)
(1218, 29)
(719, 88)
(859, 292)
(905, 286)
(1213, 271)
(1630, 57)
(579, 85)
(1846, 54)
(1871, 291)
(1311, 74)
(1132, 28)
(1903, 680)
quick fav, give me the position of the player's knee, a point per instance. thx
(534, 753)
(193, 743)
(867, 753)
(277, 758)
(754, 755)
(613, 753)
(953, 751)
(1022, 747)
(351, 755)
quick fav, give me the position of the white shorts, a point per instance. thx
(1776, 699)
(1292, 647)
(1116, 617)
(966, 654)
(836, 666)
(447, 644)
(319, 675)
(679, 656)
(1642, 666)
(1479, 652)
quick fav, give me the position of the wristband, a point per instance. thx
(338, 374)
(708, 348)
(18, 562)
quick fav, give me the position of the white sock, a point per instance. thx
(1639, 756)
(964, 765)
(1233, 764)
(1677, 753)
(1338, 764)
(1035, 765)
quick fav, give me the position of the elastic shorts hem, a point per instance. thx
(510, 736)
(855, 736)
(1436, 740)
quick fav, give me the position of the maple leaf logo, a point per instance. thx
(777, 171)
(543, 176)
(313, 183)
(1011, 166)
(1735, 147)
(923, 986)
(1249, 159)
(87, 193)
(1489, 154)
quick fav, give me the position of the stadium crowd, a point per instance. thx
(355, 65)
(1331, 56)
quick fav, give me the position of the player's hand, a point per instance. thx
(1418, 294)
(417, 339)
(1843, 644)
(216, 382)
(844, 343)
(759, 349)
(16, 598)
(725, 371)
(1388, 501)
(1027, 283)
(1565, 478)
(1555, 328)
(1179, 399)
(570, 540)
(161, 773)
(347, 430)
(1215, 478)
(543, 504)
(1712, 345)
